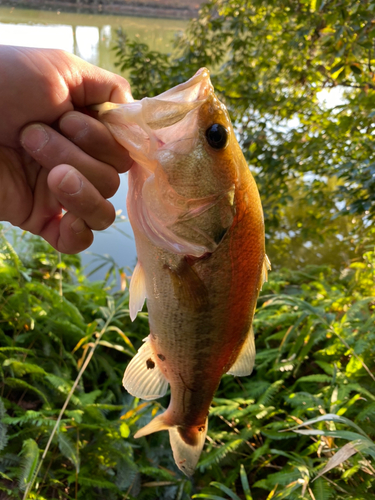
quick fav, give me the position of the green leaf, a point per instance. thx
(336, 70)
(331, 417)
(21, 368)
(225, 489)
(208, 495)
(335, 434)
(29, 462)
(245, 483)
(124, 430)
(68, 448)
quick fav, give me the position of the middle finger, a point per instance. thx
(95, 139)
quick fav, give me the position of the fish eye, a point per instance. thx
(217, 136)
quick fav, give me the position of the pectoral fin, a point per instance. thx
(194, 208)
(143, 378)
(245, 360)
(137, 291)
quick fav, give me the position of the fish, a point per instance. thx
(199, 231)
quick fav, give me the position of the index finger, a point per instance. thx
(93, 85)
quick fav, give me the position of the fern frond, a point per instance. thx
(217, 454)
(160, 474)
(16, 383)
(270, 393)
(322, 490)
(126, 474)
(367, 413)
(94, 483)
(21, 368)
(62, 386)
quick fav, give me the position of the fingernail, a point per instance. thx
(71, 183)
(34, 138)
(78, 226)
(73, 126)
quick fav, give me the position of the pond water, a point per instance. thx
(90, 37)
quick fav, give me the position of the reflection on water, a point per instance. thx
(90, 37)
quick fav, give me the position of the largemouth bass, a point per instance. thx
(198, 224)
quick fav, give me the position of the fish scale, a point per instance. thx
(198, 226)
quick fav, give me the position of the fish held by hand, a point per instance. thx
(198, 224)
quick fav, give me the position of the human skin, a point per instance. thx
(53, 156)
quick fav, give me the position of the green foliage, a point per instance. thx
(306, 413)
(50, 318)
(275, 64)
(302, 426)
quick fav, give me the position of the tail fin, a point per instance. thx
(186, 442)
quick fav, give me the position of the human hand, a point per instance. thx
(51, 155)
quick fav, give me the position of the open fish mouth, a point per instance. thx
(195, 90)
(165, 122)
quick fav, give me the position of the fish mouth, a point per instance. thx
(173, 105)
(196, 89)
(170, 119)
(167, 122)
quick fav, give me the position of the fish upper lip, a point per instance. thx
(200, 86)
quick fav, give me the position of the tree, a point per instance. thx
(272, 64)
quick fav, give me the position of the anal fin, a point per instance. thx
(143, 378)
(137, 291)
(244, 363)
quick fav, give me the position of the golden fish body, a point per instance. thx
(198, 225)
